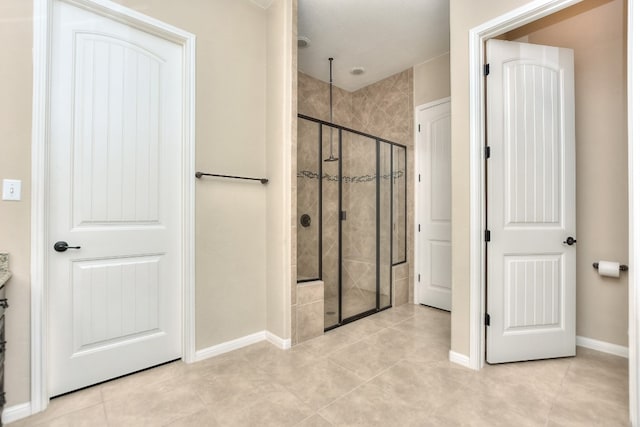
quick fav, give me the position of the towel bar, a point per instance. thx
(201, 174)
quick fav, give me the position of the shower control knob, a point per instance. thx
(570, 241)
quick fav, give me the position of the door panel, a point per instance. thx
(440, 262)
(114, 190)
(532, 292)
(115, 301)
(532, 147)
(530, 202)
(118, 113)
(434, 207)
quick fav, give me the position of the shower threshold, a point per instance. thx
(356, 317)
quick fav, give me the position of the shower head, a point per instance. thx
(331, 158)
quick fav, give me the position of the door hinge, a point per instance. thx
(419, 129)
(487, 235)
(487, 319)
(418, 277)
(419, 228)
(487, 152)
(343, 215)
(486, 69)
(419, 178)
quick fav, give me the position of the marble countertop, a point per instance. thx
(5, 274)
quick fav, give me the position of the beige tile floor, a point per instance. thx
(390, 369)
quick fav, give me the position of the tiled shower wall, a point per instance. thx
(383, 109)
(313, 101)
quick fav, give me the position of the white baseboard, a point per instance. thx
(23, 410)
(228, 346)
(281, 343)
(238, 343)
(590, 343)
(603, 346)
(16, 412)
(459, 359)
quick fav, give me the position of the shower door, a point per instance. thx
(351, 217)
(358, 223)
(385, 222)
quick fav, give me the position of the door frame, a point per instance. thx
(633, 108)
(40, 143)
(419, 151)
(477, 36)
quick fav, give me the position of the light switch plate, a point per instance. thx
(11, 189)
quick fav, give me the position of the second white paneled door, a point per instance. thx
(531, 254)
(114, 186)
(433, 166)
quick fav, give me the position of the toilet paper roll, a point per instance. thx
(609, 268)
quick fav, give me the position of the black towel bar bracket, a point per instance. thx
(201, 174)
(622, 266)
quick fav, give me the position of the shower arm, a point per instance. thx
(331, 106)
(331, 158)
(331, 90)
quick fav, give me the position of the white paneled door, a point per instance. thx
(433, 189)
(114, 185)
(531, 254)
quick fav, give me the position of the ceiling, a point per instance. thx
(382, 36)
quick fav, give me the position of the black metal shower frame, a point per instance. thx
(378, 140)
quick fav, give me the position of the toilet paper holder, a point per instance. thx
(622, 266)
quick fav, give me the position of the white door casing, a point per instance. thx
(530, 202)
(633, 83)
(119, 184)
(433, 196)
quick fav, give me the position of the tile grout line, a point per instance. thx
(365, 381)
(313, 415)
(343, 367)
(555, 398)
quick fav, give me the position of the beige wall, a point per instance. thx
(595, 30)
(231, 224)
(15, 163)
(279, 118)
(466, 14)
(230, 139)
(432, 80)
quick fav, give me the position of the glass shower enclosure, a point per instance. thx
(351, 210)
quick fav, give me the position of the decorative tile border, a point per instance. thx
(350, 179)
